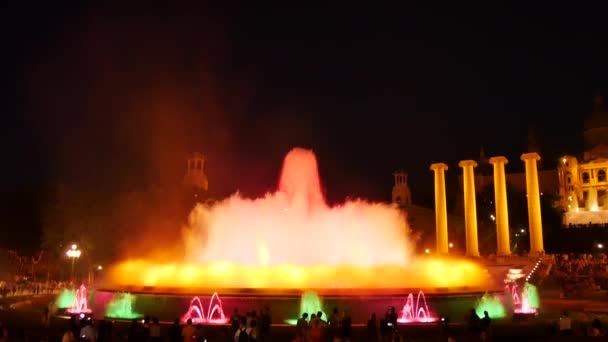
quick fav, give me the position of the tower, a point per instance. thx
(195, 176)
(401, 191)
(569, 188)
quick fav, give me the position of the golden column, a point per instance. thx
(502, 213)
(534, 219)
(441, 212)
(470, 210)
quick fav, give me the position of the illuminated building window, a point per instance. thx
(199, 165)
(585, 177)
(601, 176)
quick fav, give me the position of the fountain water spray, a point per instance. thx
(416, 312)
(492, 304)
(512, 290)
(66, 298)
(80, 303)
(310, 303)
(529, 300)
(121, 306)
(215, 312)
(266, 243)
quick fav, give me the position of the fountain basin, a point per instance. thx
(168, 304)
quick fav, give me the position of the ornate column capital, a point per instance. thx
(498, 160)
(468, 162)
(439, 166)
(530, 156)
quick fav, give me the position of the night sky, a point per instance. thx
(114, 98)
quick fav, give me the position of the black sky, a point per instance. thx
(113, 98)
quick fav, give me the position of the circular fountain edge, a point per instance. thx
(297, 292)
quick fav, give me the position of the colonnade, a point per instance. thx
(501, 207)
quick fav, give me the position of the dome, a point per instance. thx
(596, 125)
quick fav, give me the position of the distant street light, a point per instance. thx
(73, 253)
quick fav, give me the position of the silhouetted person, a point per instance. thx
(334, 323)
(302, 326)
(74, 327)
(235, 320)
(596, 328)
(175, 331)
(104, 332)
(253, 332)
(3, 332)
(485, 326)
(266, 322)
(199, 334)
(346, 327)
(132, 335)
(188, 331)
(393, 317)
(88, 333)
(565, 324)
(372, 329)
(241, 333)
(155, 330)
(474, 321)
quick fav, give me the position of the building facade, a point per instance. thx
(583, 185)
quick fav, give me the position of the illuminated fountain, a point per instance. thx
(492, 304)
(80, 303)
(512, 290)
(529, 300)
(291, 241)
(215, 312)
(65, 299)
(310, 303)
(121, 306)
(416, 312)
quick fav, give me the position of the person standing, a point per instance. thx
(175, 331)
(565, 324)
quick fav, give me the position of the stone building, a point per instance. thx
(583, 185)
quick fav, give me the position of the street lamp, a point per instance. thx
(73, 253)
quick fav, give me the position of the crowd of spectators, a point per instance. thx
(579, 274)
(24, 288)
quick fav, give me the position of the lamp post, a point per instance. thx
(73, 253)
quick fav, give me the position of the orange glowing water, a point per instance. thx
(293, 239)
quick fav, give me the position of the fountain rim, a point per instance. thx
(297, 292)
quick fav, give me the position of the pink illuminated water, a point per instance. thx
(524, 307)
(80, 304)
(215, 312)
(416, 312)
(512, 290)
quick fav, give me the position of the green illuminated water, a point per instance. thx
(121, 306)
(310, 303)
(531, 293)
(492, 304)
(66, 298)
